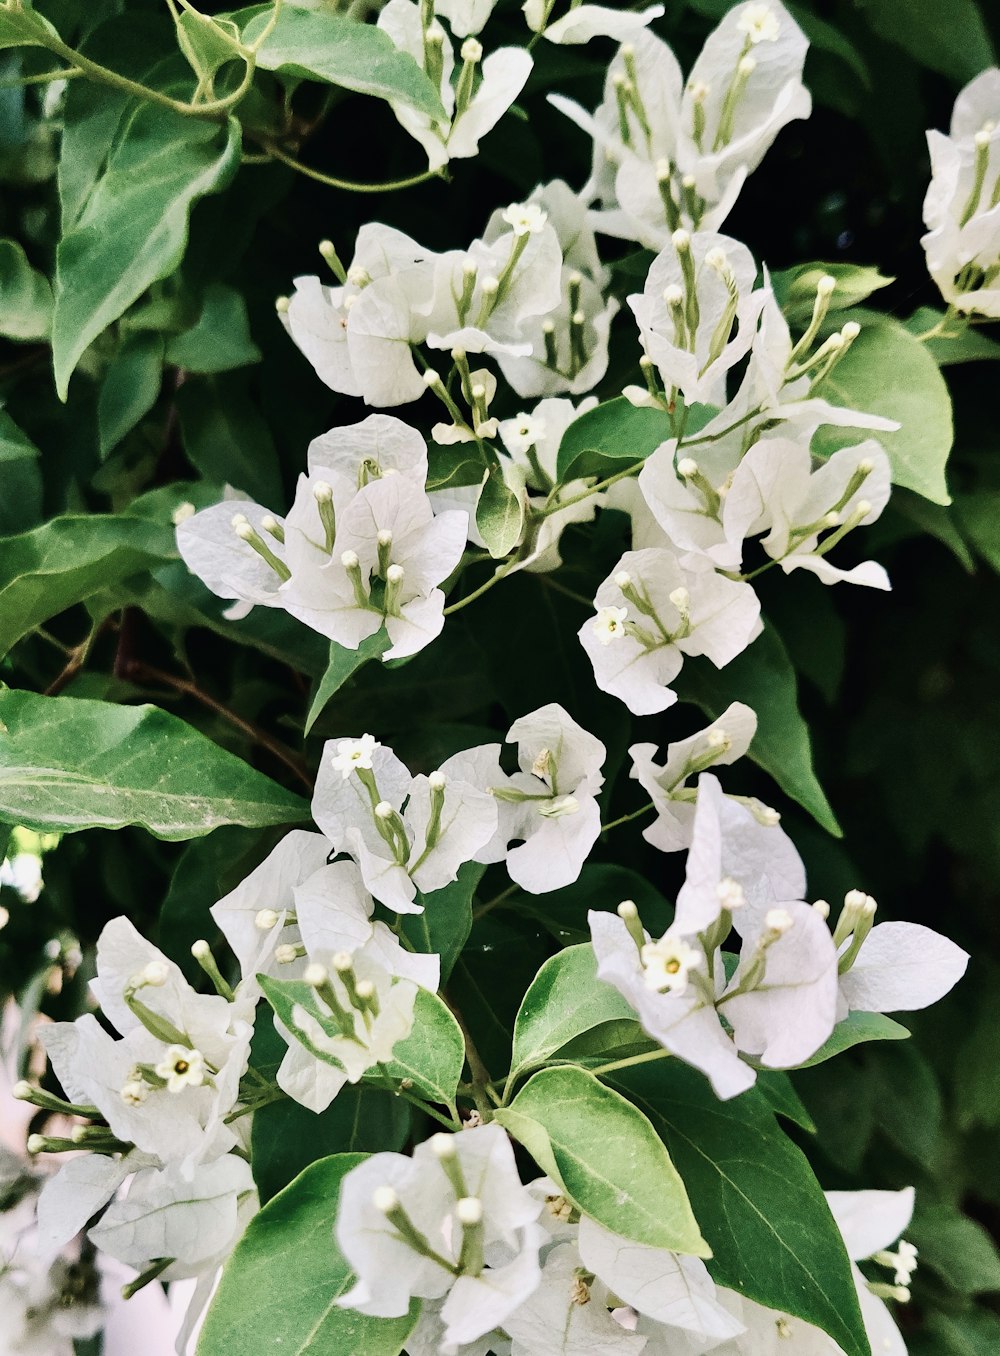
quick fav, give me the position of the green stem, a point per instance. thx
(346, 184)
(616, 1064)
(495, 578)
(560, 504)
(624, 819)
(494, 903)
(47, 77)
(269, 27)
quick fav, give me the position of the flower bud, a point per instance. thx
(322, 492)
(385, 1200)
(156, 974)
(469, 1211)
(471, 50)
(316, 975)
(266, 919)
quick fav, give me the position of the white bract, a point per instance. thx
(451, 1223)
(549, 807)
(405, 833)
(962, 206)
(724, 741)
(583, 22)
(485, 88)
(673, 607)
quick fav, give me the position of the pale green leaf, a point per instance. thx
(856, 1029)
(25, 296)
(565, 1000)
(68, 765)
(499, 515)
(432, 1054)
(280, 1288)
(606, 1157)
(795, 288)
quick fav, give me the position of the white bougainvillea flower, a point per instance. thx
(485, 89)
(390, 555)
(235, 549)
(569, 344)
(782, 1001)
(265, 899)
(962, 207)
(672, 1290)
(466, 17)
(357, 453)
(687, 494)
(697, 313)
(745, 86)
(674, 608)
(179, 1118)
(406, 833)
(367, 354)
(894, 967)
(484, 296)
(570, 218)
(533, 439)
(81, 1188)
(196, 1221)
(452, 1223)
(551, 804)
(806, 512)
(724, 741)
(567, 1314)
(584, 22)
(351, 1018)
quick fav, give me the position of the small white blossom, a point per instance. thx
(354, 753)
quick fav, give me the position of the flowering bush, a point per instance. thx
(452, 1040)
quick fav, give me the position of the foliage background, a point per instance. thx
(901, 694)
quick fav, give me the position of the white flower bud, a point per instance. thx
(717, 739)
(134, 1092)
(627, 909)
(365, 990)
(673, 295)
(269, 523)
(866, 466)
(778, 921)
(78, 1134)
(350, 560)
(663, 171)
(266, 919)
(623, 579)
(385, 1200)
(342, 962)
(286, 953)
(156, 974)
(681, 240)
(681, 599)
(384, 537)
(35, 1144)
(821, 907)
(982, 139)
(490, 286)
(316, 975)
(850, 331)
(688, 182)
(281, 305)
(469, 1211)
(699, 91)
(437, 781)
(384, 810)
(716, 259)
(471, 50)
(22, 1090)
(322, 492)
(200, 949)
(443, 1146)
(243, 530)
(182, 512)
(395, 574)
(747, 67)
(730, 894)
(431, 378)
(826, 285)
(862, 508)
(687, 467)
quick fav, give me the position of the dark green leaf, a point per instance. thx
(130, 388)
(292, 1238)
(226, 437)
(857, 1029)
(443, 927)
(762, 1210)
(69, 765)
(609, 438)
(952, 38)
(340, 667)
(220, 338)
(957, 345)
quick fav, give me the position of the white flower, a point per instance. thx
(391, 553)
(568, 345)
(357, 453)
(667, 964)
(608, 624)
(550, 805)
(675, 609)
(724, 741)
(235, 549)
(181, 1068)
(473, 107)
(566, 1316)
(697, 313)
(354, 753)
(406, 833)
(584, 22)
(670, 1289)
(453, 1222)
(23, 873)
(525, 218)
(350, 1018)
(759, 22)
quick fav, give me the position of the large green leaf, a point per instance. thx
(219, 340)
(226, 438)
(433, 1053)
(24, 28)
(319, 45)
(606, 1156)
(133, 228)
(499, 515)
(951, 38)
(609, 438)
(280, 1288)
(958, 344)
(762, 1210)
(763, 677)
(565, 1000)
(67, 764)
(130, 387)
(286, 1137)
(64, 561)
(887, 371)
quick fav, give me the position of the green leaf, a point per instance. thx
(46, 570)
(606, 1156)
(966, 346)
(795, 288)
(443, 927)
(286, 1137)
(763, 677)
(291, 1244)
(565, 999)
(132, 230)
(779, 1093)
(958, 1248)
(226, 438)
(979, 516)
(450, 468)
(886, 371)
(220, 338)
(24, 28)
(21, 502)
(857, 1029)
(207, 42)
(318, 45)
(69, 765)
(763, 1212)
(341, 665)
(25, 296)
(499, 515)
(951, 38)
(610, 437)
(130, 388)
(15, 445)
(433, 1054)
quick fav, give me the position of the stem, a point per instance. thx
(46, 77)
(346, 184)
(647, 1058)
(140, 671)
(624, 819)
(268, 28)
(494, 578)
(561, 504)
(480, 1074)
(494, 903)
